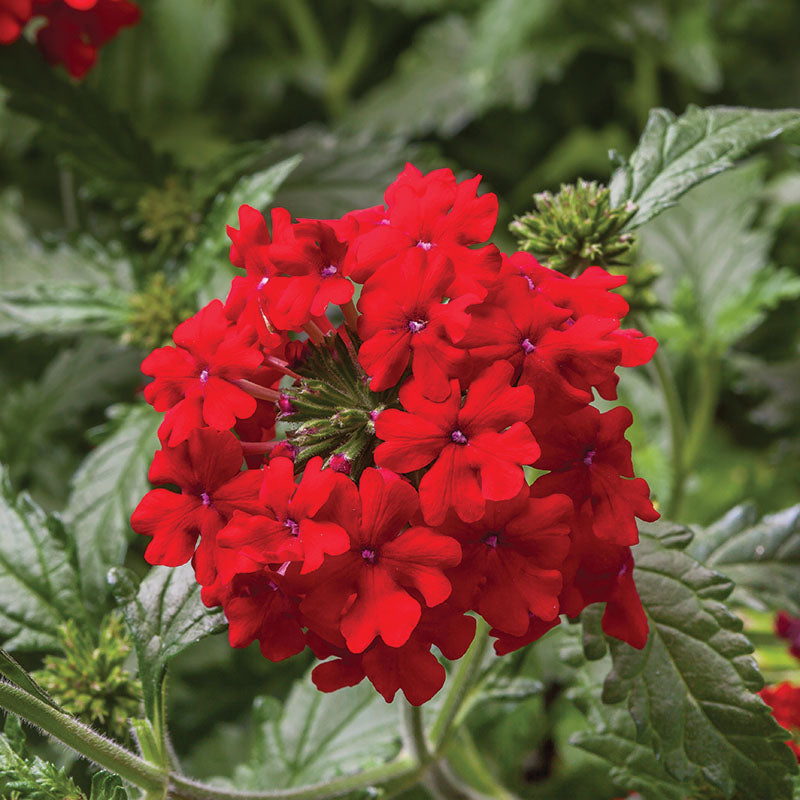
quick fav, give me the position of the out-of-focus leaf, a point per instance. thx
(106, 489)
(716, 279)
(762, 556)
(190, 37)
(41, 420)
(38, 580)
(62, 310)
(691, 690)
(165, 615)
(61, 288)
(457, 68)
(79, 128)
(633, 764)
(317, 736)
(675, 153)
(210, 255)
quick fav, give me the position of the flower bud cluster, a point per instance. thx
(394, 499)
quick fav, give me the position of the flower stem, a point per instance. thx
(460, 687)
(186, 789)
(82, 738)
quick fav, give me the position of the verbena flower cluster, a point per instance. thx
(396, 496)
(72, 31)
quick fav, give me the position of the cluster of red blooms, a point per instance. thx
(398, 500)
(73, 30)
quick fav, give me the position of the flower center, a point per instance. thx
(491, 540)
(294, 527)
(417, 325)
(368, 555)
(526, 345)
(204, 377)
(425, 245)
(458, 437)
(329, 270)
(261, 284)
(589, 457)
(205, 498)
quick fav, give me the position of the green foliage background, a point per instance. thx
(115, 196)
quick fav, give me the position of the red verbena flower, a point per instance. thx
(374, 490)
(784, 699)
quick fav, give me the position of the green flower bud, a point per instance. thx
(154, 314)
(90, 681)
(576, 229)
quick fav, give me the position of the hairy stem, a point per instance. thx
(82, 739)
(460, 685)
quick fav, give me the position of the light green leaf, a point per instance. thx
(165, 615)
(59, 310)
(716, 278)
(691, 690)
(633, 766)
(317, 736)
(38, 581)
(105, 490)
(58, 288)
(209, 258)
(675, 153)
(762, 556)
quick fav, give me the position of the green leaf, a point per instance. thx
(105, 490)
(190, 37)
(762, 556)
(317, 736)
(716, 279)
(209, 258)
(633, 764)
(57, 288)
(38, 580)
(60, 310)
(691, 689)
(458, 68)
(42, 420)
(13, 671)
(79, 127)
(675, 153)
(106, 786)
(165, 615)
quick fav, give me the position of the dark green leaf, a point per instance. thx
(457, 68)
(762, 556)
(317, 736)
(79, 127)
(691, 689)
(165, 615)
(675, 153)
(38, 581)
(12, 671)
(105, 490)
(41, 420)
(633, 764)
